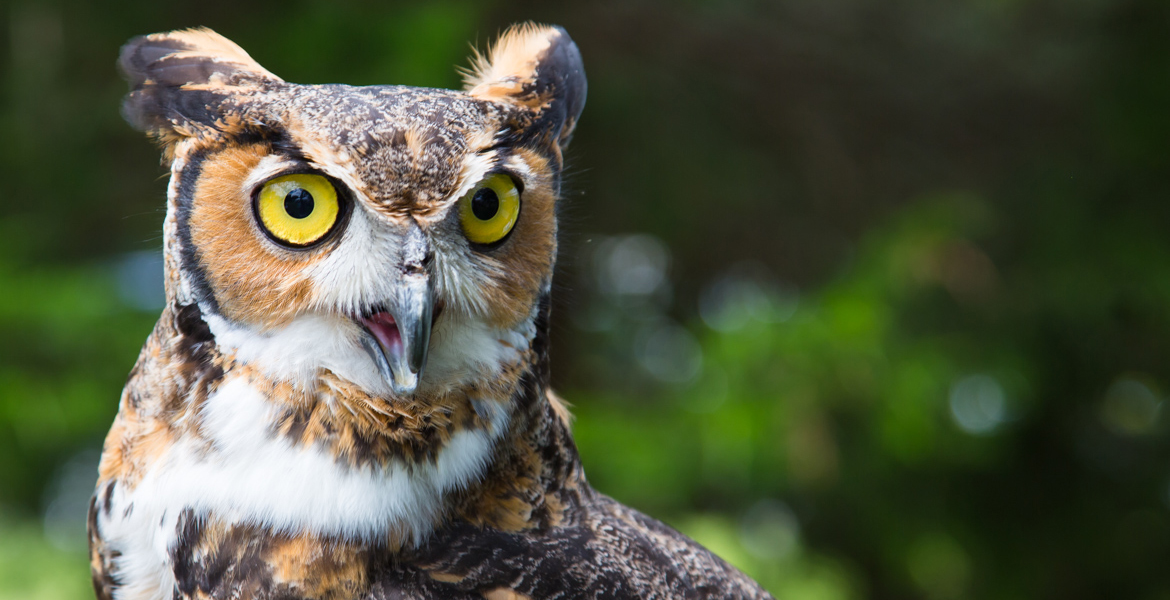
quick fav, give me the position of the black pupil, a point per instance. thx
(298, 203)
(485, 204)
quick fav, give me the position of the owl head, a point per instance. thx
(401, 237)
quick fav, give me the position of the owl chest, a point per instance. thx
(243, 497)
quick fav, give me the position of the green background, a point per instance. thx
(872, 298)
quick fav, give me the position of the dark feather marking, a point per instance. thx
(188, 178)
(232, 568)
(193, 330)
(108, 496)
(297, 425)
(196, 354)
(540, 345)
(155, 109)
(105, 582)
(274, 135)
(562, 74)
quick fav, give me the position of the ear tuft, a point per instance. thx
(177, 77)
(186, 57)
(514, 54)
(537, 67)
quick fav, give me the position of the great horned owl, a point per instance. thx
(347, 393)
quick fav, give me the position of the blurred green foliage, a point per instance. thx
(873, 299)
(32, 569)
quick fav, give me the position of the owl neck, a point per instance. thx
(535, 474)
(509, 464)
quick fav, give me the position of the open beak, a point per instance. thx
(398, 332)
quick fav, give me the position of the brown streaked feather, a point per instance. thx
(185, 57)
(603, 551)
(504, 594)
(101, 557)
(221, 561)
(176, 371)
(360, 429)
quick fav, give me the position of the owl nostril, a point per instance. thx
(416, 251)
(419, 267)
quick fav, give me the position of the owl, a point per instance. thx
(347, 394)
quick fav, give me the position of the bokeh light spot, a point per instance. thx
(978, 404)
(769, 530)
(743, 295)
(1130, 408)
(632, 265)
(669, 352)
(140, 280)
(939, 566)
(67, 501)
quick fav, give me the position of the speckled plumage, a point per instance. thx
(259, 452)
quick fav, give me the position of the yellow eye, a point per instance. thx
(489, 211)
(298, 209)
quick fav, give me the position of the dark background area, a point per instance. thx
(873, 298)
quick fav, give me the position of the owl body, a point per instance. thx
(347, 393)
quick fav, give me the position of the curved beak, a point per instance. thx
(397, 333)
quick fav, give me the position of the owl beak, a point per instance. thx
(398, 335)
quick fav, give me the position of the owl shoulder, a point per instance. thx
(602, 549)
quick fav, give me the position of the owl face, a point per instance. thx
(361, 229)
